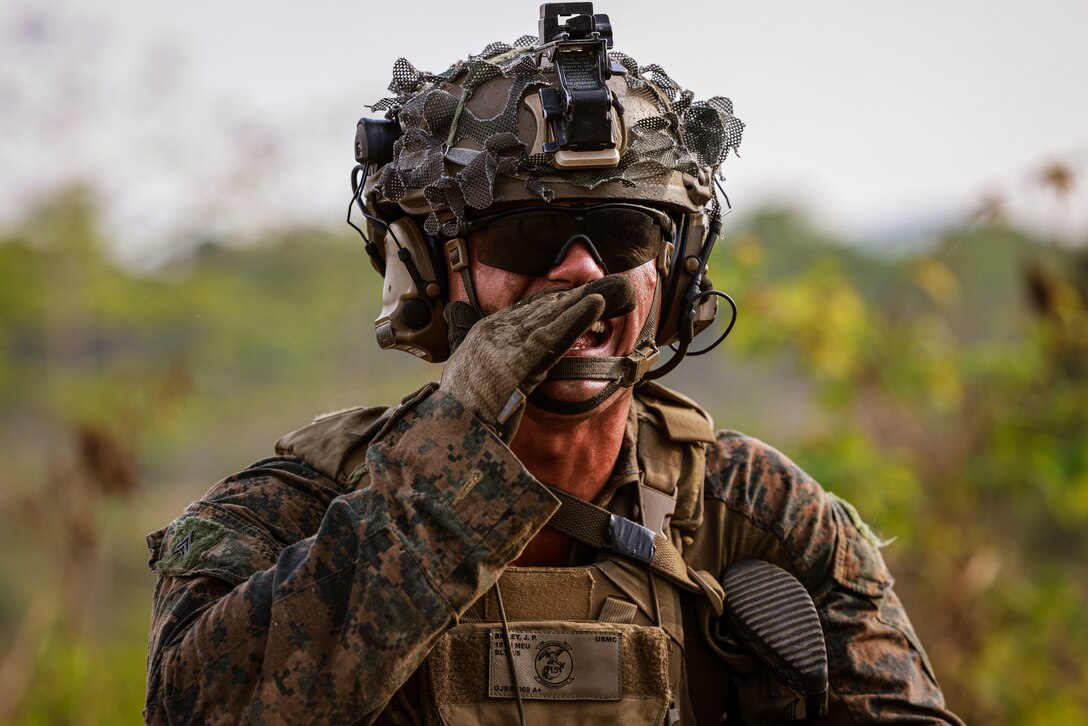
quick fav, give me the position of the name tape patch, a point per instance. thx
(556, 665)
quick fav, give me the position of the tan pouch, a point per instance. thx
(568, 672)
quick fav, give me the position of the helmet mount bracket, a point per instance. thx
(580, 112)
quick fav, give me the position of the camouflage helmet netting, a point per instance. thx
(454, 157)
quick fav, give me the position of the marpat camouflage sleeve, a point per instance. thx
(759, 505)
(282, 600)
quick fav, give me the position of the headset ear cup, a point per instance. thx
(412, 295)
(682, 271)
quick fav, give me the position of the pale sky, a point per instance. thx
(203, 118)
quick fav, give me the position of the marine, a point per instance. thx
(547, 534)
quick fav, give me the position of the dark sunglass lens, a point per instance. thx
(525, 243)
(626, 238)
(528, 242)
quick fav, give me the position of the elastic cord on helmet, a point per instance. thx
(357, 201)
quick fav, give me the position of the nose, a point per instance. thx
(577, 266)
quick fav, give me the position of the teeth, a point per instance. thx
(586, 340)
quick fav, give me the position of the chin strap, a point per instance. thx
(470, 291)
(621, 371)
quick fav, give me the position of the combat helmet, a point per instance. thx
(552, 118)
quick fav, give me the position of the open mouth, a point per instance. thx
(594, 341)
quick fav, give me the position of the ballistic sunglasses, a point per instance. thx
(533, 240)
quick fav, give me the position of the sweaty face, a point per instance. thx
(497, 289)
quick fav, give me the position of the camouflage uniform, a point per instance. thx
(286, 595)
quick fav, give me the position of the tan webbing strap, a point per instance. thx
(673, 434)
(623, 371)
(597, 527)
(584, 367)
(669, 562)
(618, 610)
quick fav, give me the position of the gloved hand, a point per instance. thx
(504, 356)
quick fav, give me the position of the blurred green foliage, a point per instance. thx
(943, 392)
(953, 391)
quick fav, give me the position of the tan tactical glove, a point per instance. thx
(504, 356)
